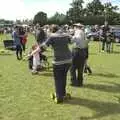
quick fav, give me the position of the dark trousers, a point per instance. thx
(77, 68)
(30, 62)
(23, 47)
(87, 67)
(106, 45)
(19, 52)
(103, 45)
(60, 77)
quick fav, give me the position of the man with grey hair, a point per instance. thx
(79, 55)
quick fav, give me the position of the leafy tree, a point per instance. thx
(40, 18)
(58, 18)
(110, 11)
(76, 10)
(95, 8)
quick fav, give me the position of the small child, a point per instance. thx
(36, 58)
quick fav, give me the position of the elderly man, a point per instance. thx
(79, 55)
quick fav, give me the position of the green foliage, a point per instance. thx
(40, 18)
(92, 20)
(94, 13)
(58, 18)
(95, 8)
(4, 23)
(76, 11)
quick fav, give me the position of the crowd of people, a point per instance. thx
(105, 35)
(64, 59)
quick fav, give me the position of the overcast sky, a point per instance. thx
(22, 9)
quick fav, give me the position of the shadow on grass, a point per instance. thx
(115, 52)
(6, 54)
(104, 88)
(118, 45)
(102, 109)
(117, 86)
(50, 56)
(46, 73)
(107, 75)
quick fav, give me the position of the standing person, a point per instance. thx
(18, 44)
(105, 30)
(22, 35)
(79, 56)
(62, 61)
(40, 35)
(24, 41)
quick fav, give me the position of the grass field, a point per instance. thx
(27, 97)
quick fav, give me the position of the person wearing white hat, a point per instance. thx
(78, 55)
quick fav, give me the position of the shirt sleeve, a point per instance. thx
(35, 51)
(48, 42)
(73, 39)
(69, 39)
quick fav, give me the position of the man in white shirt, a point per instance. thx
(78, 55)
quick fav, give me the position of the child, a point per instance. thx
(36, 58)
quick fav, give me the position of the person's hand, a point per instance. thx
(28, 55)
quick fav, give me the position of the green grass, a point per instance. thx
(27, 97)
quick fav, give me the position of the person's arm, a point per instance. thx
(48, 42)
(69, 39)
(35, 51)
(73, 38)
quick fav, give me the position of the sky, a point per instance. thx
(23, 9)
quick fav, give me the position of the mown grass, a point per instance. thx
(27, 97)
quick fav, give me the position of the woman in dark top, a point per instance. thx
(22, 34)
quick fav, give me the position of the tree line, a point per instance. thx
(95, 12)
